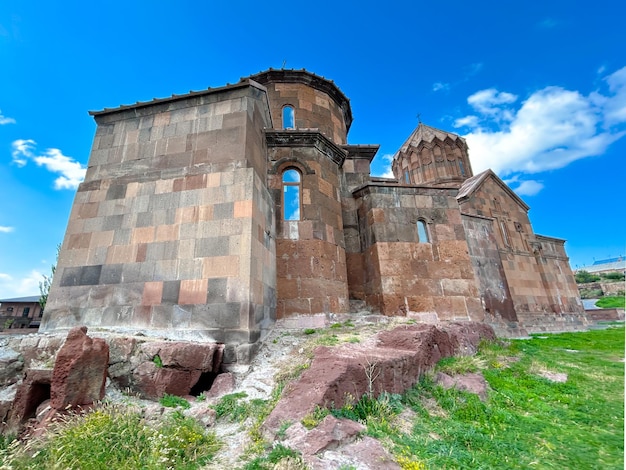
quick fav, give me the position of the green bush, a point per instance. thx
(583, 277)
(614, 276)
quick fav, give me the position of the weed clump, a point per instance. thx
(113, 437)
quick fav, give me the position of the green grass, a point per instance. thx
(173, 401)
(114, 438)
(528, 421)
(616, 301)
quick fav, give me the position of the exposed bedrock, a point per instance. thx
(391, 361)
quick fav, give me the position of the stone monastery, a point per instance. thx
(210, 215)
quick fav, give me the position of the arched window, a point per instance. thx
(291, 194)
(289, 121)
(422, 232)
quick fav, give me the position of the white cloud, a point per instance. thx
(469, 121)
(387, 159)
(5, 229)
(549, 130)
(27, 285)
(440, 86)
(71, 172)
(525, 188)
(489, 101)
(5, 120)
(22, 149)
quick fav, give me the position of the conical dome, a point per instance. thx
(431, 156)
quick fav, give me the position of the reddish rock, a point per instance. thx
(203, 414)
(393, 365)
(330, 434)
(472, 383)
(32, 392)
(222, 385)
(182, 355)
(80, 370)
(177, 369)
(371, 453)
(154, 382)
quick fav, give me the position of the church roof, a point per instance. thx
(424, 133)
(472, 184)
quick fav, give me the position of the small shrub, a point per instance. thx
(280, 457)
(314, 418)
(282, 430)
(309, 331)
(172, 401)
(381, 408)
(157, 361)
(231, 407)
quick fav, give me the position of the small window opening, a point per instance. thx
(422, 233)
(462, 168)
(288, 118)
(291, 195)
(26, 311)
(505, 233)
(407, 177)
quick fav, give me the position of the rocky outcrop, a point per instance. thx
(471, 382)
(80, 370)
(392, 362)
(337, 443)
(174, 367)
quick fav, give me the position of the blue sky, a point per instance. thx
(537, 88)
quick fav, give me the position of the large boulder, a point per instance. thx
(174, 367)
(80, 370)
(392, 362)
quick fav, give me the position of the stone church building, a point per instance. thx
(210, 215)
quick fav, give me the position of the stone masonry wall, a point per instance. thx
(311, 263)
(535, 267)
(492, 282)
(433, 279)
(313, 109)
(171, 230)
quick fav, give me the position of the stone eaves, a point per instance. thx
(306, 138)
(175, 98)
(361, 151)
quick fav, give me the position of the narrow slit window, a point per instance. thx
(407, 177)
(462, 168)
(291, 194)
(422, 233)
(505, 234)
(288, 118)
